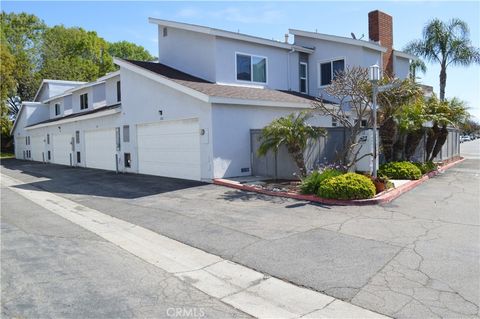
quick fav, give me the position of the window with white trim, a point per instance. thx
(251, 68)
(83, 101)
(57, 109)
(363, 123)
(303, 77)
(329, 71)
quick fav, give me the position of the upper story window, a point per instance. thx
(57, 109)
(303, 77)
(165, 31)
(119, 93)
(251, 68)
(329, 70)
(83, 101)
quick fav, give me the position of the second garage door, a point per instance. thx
(62, 148)
(170, 149)
(38, 148)
(100, 149)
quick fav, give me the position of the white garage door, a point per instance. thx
(38, 148)
(62, 148)
(100, 149)
(170, 149)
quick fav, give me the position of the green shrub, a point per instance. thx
(313, 181)
(426, 167)
(400, 170)
(347, 186)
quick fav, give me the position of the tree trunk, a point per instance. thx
(443, 81)
(441, 139)
(411, 144)
(432, 136)
(387, 133)
(300, 161)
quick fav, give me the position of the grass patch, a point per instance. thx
(6, 155)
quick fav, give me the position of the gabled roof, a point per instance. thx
(46, 81)
(215, 93)
(404, 55)
(228, 34)
(20, 111)
(335, 38)
(77, 115)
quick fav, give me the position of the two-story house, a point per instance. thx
(189, 115)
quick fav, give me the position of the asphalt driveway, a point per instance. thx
(416, 257)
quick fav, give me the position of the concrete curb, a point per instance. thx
(382, 198)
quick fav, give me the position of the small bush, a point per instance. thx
(313, 181)
(347, 186)
(400, 170)
(426, 167)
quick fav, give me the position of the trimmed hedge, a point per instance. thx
(400, 170)
(313, 181)
(347, 186)
(426, 167)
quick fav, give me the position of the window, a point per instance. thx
(57, 109)
(83, 101)
(329, 71)
(49, 155)
(77, 137)
(334, 122)
(78, 157)
(127, 160)
(26, 140)
(165, 31)
(363, 123)
(303, 77)
(48, 138)
(126, 133)
(251, 68)
(119, 93)
(117, 137)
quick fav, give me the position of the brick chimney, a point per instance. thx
(380, 29)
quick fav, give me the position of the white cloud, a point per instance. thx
(188, 13)
(251, 15)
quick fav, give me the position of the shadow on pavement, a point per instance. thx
(87, 181)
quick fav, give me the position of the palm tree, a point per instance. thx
(293, 132)
(445, 43)
(417, 65)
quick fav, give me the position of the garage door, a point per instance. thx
(100, 149)
(170, 149)
(38, 148)
(62, 148)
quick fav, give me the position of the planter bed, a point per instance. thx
(287, 189)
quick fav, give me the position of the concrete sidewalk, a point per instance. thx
(417, 256)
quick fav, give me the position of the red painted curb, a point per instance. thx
(383, 198)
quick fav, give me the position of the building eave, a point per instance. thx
(338, 39)
(405, 55)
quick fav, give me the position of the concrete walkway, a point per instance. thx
(415, 257)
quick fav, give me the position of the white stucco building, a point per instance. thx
(190, 115)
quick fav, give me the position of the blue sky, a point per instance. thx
(123, 20)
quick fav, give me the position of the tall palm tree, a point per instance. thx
(293, 132)
(446, 44)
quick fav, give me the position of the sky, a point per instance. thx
(128, 20)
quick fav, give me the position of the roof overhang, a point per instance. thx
(338, 39)
(227, 34)
(45, 81)
(404, 55)
(76, 119)
(22, 106)
(70, 92)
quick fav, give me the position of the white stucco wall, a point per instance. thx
(111, 90)
(277, 62)
(401, 67)
(231, 134)
(32, 113)
(142, 99)
(187, 51)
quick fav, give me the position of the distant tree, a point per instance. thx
(23, 34)
(416, 66)
(293, 132)
(130, 51)
(445, 43)
(74, 54)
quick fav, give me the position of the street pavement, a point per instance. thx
(416, 257)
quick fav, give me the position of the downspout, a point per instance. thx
(288, 69)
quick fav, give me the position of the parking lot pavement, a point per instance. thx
(417, 256)
(52, 268)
